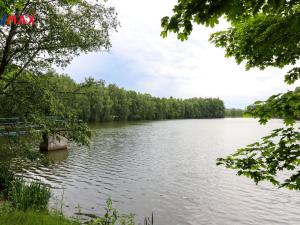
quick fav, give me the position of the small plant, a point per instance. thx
(112, 217)
(24, 196)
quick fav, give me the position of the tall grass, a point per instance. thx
(6, 178)
(25, 196)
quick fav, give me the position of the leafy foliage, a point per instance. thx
(292, 75)
(263, 161)
(278, 152)
(285, 106)
(262, 34)
(94, 101)
(58, 96)
(62, 30)
(208, 13)
(54, 103)
(40, 111)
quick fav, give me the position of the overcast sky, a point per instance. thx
(142, 61)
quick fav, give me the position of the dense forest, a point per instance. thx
(95, 101)
(234, 113)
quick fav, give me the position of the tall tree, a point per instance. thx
(61, 30)
(262, 34)
(36, 35)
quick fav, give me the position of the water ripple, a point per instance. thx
(168, 167)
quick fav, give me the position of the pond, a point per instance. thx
(168, 168)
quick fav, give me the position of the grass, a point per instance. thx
(10, 216)
(6, 177)
(23, 195)
(33, 195)
(33, 218)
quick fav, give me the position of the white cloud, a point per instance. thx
(168, 67)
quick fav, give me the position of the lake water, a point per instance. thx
(169, 168)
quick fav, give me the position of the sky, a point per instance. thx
(141, 60)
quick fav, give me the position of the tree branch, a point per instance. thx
(21, 70)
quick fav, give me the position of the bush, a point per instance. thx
(25, 196)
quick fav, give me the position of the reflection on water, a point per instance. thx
(168, 167)
(58, 155)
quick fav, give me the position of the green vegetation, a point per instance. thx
(6, 178)
(10, 216)
(234, 113)
(100, 102)
(62, 30)
(113, 217)
(262, 34)
(23, 195)
(93, 101)
(26, 203)
(27, 196)
(56, 104)
(47, 103)
(33, 218)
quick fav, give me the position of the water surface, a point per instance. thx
(169, 168)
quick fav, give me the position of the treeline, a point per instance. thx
(234, 113)
(94, 101)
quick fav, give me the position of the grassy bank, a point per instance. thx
(33, 218)
(26, 203)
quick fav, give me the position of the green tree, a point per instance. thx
(42, 107)
(262, 34)
(120, 107)
(62, 29)
(94, 92)
(232, 113)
